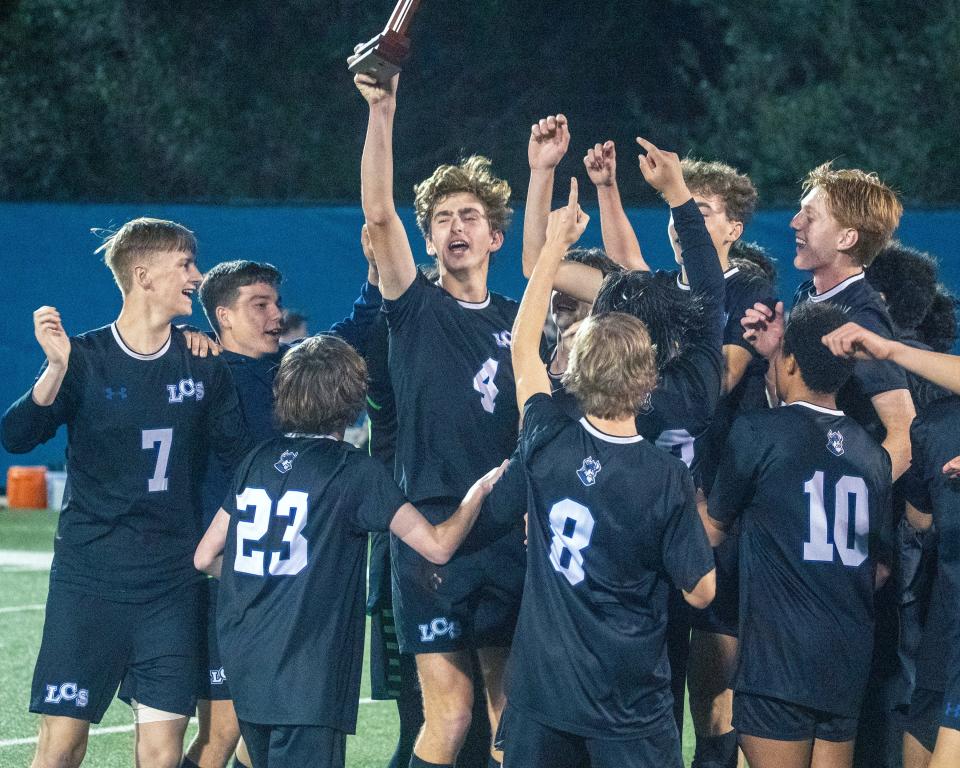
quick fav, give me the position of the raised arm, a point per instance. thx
(564, 227)
(397, 269)
(549, 139)
(619, 240)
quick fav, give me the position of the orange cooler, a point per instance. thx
(27, 487)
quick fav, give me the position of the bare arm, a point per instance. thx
(549, 139)
(735, 359)
(896, 411)
(209, 555)
(388, 238)
(702, 595)
(564, 228)
(437, 543)
(619, 239)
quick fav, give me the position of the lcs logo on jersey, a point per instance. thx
(217, 676)
(835, 442)
(185, 388)
(503, 338)
(438, 628)
(589, 470)
(67, 692)
(285, 463)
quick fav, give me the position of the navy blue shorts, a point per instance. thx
(923, 719)
(528, 743)
(769, 718)
(283, 745)
(471, 602)
(91, 645)
(211, 680)
(722, 616)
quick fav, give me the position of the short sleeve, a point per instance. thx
(378, 497)
(408, 305)
(686, 553)
(735, 480)
(543, 419)
(237, 483)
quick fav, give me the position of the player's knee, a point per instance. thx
(159, 755)
(60, 756)
(450, 725)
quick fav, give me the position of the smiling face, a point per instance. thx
(820, 238)
(460, 234)
(724, 231)
(251, 324)
(567, 310)
(171, 278)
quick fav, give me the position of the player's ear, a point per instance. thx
(223, 317)
(848, 239)
(790, 365)
(736, 230)
(496, 240)
(141, 276)
(431, 248)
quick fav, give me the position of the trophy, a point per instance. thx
(382, 56)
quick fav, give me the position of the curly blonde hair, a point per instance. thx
(726, 182)
(858, 200)
(471, 175)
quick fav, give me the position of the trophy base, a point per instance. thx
(374, 64)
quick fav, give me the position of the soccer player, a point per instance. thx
(141, 413)
(289, 547)
(815, 522)
(612, 521)
(457, 415)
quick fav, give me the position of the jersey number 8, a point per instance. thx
(293, 506)
(572, 526)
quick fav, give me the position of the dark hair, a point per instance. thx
(593, 257)
(320, 387)
(674, 318)
(907, 278)
(820, 369)
(221, 285)
(938, 329)
(754, 256)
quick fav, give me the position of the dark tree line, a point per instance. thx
(216, 100)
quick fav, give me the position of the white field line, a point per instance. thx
(25, 560)
(18, 608)
(95, 731)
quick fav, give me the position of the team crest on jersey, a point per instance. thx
(285, 463)
(439, 627)
(217, 676)
(503, 338)
(185, 388)
(646, 405)
(588, 471)
(835, 442)
(67, 692)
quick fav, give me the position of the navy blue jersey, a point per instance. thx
(612, 522)
(863, 305)
(814, 512)
(453, 382)
(138, 429)
(290, 618)
(935, 436)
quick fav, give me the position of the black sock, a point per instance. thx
(188, 763)
(716, 751)
(416, 762)
(238, 764)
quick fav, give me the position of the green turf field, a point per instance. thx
(25, 537)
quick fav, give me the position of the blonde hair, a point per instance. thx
(139, 239)
(860, 201)
(726, 182)
(613, 365)
(471, 175)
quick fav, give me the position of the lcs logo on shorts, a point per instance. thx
(217, 676)
(589, 470)
(285, 462)
(503, 338)
(438, 628)
(67, 692)
(185, 388)
(835, 442)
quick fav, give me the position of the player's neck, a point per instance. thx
(831, 275)
(724, 257)
(625, 427)
(142, 331)
(807, 395)
(469, 285)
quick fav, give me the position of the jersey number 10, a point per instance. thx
(819, 548)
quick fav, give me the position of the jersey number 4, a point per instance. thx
(292, 557)
(819, 548)
(572, 526)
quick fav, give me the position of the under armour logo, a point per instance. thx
(120, 393)
(952, 710)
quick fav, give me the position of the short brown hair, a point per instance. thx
(726, 182)
(138, 239)
(471, 175)
(320, 387)
(613, 365)
(860, 201)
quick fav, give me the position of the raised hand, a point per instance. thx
(566, 225)
(51, 336)
(549, 139)
(374, 91)
(601, 164)
(661, 170)
(482, 487)
(850, 340)
(763, 328)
